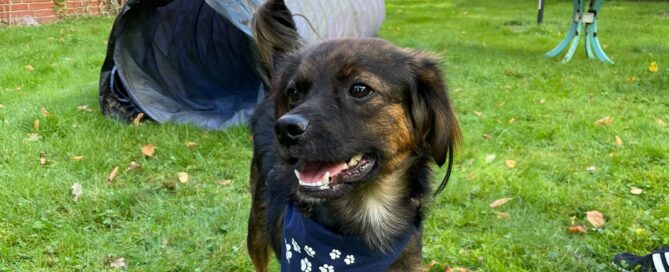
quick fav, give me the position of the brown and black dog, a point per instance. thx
(346, 135)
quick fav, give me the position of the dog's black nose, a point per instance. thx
(291, 127)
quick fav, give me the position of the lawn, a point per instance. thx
(535, 131)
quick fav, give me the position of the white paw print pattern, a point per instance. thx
(350, 259)
(289, 254)
(305, 265)
(310, 251)
(296, 246)
(326, 268)
(335, 254)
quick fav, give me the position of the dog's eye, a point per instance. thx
(294, 96)
(360, 90)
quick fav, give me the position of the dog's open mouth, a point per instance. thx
(321, 176)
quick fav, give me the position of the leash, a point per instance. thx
(448, 170)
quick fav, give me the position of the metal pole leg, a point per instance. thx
(594, 41)
(579, 28)
(570, 33)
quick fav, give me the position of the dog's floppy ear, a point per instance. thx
(275, 32)
(431, 110)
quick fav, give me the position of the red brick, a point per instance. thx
(17, 7)
(37, 6)
(44, 12)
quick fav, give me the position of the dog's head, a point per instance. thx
(352, 110)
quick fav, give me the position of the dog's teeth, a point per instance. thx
(344, 166)
(297, 174)
(326, 178)
(355, 160)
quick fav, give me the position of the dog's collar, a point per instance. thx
(308, 246)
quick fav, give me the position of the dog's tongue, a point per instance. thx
(313, 172)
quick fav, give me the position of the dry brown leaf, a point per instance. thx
(500, 202)
(490, 157)
(478, 113)
(225, 182)
(118, 263)
(591, 169)
(510, 164)
(77, 158)
(44, 112)
(148, 150)
(502, 215)
(604, 121)
(660, 122)
(429, 266)
(42, 159)
(456, 269)
(134, 166)
(29, 68)
(635, 190)
(619, 141)
(191, 145)
(576, 229)
(182, 177)
(77, 191)
(2, 106)
(113, 174)
(596, 218)
(36, 124)
(138, 119)
(486, 137)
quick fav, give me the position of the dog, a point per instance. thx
(343, 146)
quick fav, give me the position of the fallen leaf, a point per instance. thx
(191, 145)
(182, 177)
(478, 113)
(471, 177)
(44, 112)
(510, 164)
(225, 182)
(486, 137)
(512, 120)
(541, 101)
(502, 215)
(604, 121)
(77, 158)
(635, 190)
(84, 108)
(619, 141)
(499, 202)
(148, 150)
(113, 174)
(134, 166)
(29, 68)
(138, 119)
(32, 137)
(77, 191)
(42, 159)
(660, 122)
(429, 266)
(36, 124)
(2, 106)
(591, 169)
(596, 218)
(577, 229)
(118, 263)
(490, 157)
(632, 79)
(652, 67)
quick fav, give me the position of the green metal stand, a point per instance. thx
(581, 20)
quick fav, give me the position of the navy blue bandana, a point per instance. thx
(308, 246)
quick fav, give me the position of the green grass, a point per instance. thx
(492, 53)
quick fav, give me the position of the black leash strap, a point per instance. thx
(448, 171)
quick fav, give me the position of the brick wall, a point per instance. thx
(30, 12)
